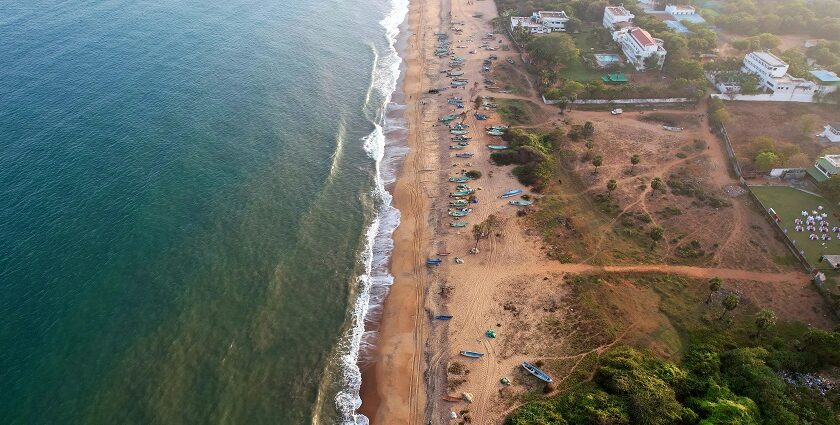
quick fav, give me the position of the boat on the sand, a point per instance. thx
(536, 372)
(475, 355)
(510, 193)
(520, 203)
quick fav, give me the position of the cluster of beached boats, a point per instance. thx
(463, 195)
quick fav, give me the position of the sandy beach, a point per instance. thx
(509, 286)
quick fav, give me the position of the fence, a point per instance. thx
(788, 243)
(730, 152)
(622, 101)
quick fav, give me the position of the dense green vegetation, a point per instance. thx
(818, 18)
(532, 153)
(731, 371)
(557, 57)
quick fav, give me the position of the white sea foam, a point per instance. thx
(373, 284)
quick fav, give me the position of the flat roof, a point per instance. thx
(552, 14)
(770, 58)
(833, 160)
(825, 76)
(681, 7)
(619, 10)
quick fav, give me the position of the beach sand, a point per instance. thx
(408, 375)
(393, 390)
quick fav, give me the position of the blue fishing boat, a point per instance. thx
(496, 133)
(510, 193)
(520, 203)
(433, 262)
(481, 117)
(459, 179)
(443, 317)
(496, 147)
(463, 192)
(536, 372)
(456, 147)
(458, 132)
(460, 213)
(475, 355)
(458, 224)
(458, 203)
(447, 118)
(459, 83)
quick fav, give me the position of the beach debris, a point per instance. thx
(468, 397)
(453, 415)
(474, 251)
(490, 333)
(504, 381)
(459, 260)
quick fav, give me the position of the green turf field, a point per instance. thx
(788, 203)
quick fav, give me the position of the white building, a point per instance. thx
(638, 45)
(679, 10)
(773, 77)
(554, 21)
(541, 22)
(526, 22)
(616, 14)
(832, 132)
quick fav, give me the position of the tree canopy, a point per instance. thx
(554, 49)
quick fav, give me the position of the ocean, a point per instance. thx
(193, 211)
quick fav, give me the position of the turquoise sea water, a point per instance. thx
(186, 201)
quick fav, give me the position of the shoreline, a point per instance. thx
(387, 395)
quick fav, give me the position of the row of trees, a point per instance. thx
(818, 18)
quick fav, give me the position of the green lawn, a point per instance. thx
(788, 204)
(587, 45)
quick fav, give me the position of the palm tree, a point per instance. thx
(730, 302)
(611, 186)
(764, 319)
(597, 161)
(714, 285)
(635, 159)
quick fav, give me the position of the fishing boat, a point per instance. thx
(458, 83)
(458, 224)
(461, 138)
(458, 132)
(669, 128)
(496, 133)
(460, 213)
(459, 179)
(464, 155)
(455, 73)
(443, 317)
(510, 61)
(536, 372)
(480, 117)
(511, 193)
(456, 147)
(447, 118)
(496, 147)
(464, 192)
(520, 203)
(436, 262)
(452, 398)
(474, 355)
(459, 203)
